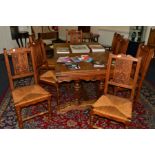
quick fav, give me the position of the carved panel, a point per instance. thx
(122, 71)
(20, 62)
(75, 36)
(143, 52)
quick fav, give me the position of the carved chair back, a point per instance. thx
(40, 57)
(121, 46)
(115, 40)
(119, 72)
(151, 39)
(146, 54)
(73, 36)
(22, 62)
(31, 38)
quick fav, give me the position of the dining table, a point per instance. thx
(85, 72)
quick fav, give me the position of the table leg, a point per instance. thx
(101, 87)
(77, 91)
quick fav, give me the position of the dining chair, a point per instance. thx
(116, 38)
(73, 36)
(44, 74)
(48, 37)
(32, 38)
(121, 46)
(47, 62)
(87, 37)
(25, 96)
(118, 74)
(146, 54)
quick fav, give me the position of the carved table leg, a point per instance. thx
(77, 92)
(83, 92)
(101, 87)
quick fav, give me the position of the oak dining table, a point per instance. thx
(87, 71)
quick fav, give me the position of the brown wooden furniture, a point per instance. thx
(121, 46)
(73, 36)
(86, 72)
(46, 62)
(116, 38)
(85, 29)
(86, 34)
(95, 37)
(151, 39)
(86, 37)
(31, 38)
(27, 95)
(48, 76)
(51, 36)
(63, 45)
(114, 43)
(146, 54)
(115, 107)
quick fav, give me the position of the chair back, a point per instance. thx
(48, 35)
(22, 64)
(74, 36)
(119, 72)
(39, 51)
(31, 38)
(146, 54)
(151, 39)
(116, 38)
(121, 46)
(87, 37)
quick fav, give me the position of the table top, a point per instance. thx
(86, 72)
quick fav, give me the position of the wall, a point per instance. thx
(62, 31)
(5, 37)
(106, 32)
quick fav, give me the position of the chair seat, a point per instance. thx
(113, 107)
(29, 94)
(48, 77)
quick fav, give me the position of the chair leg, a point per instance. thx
(137, 94)
(49, 108)
(58, 96)
(19, 117)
